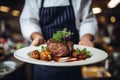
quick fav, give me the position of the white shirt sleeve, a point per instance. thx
(88, 24)
(29, 19)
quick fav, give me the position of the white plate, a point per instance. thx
(97, 56)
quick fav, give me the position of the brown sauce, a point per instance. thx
(67, 59)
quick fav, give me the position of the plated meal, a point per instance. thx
(60, 51)
(60, 46)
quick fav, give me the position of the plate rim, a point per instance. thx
(59, 64)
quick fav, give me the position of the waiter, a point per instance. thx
(41, 18)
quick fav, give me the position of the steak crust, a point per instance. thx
(59, 49)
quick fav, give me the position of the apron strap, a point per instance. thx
(70, 2)
(42, 2)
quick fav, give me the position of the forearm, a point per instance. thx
(37, 39)
(87, 40)
(88, 25)
(88, 37)
(35, 35)
(29, 19)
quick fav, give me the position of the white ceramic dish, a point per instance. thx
(97, 56)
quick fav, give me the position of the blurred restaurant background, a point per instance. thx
(107, 13)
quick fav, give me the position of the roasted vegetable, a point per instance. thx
(35, 54)
(45, 55)
(81, 54)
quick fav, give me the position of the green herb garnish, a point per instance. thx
(78, 51)
(88, 54)
(84, 50)
(42, 48)
(62, 35)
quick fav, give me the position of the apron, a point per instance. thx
(53, 19)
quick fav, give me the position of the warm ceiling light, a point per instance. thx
(112, 19)
(113, 3)
(96, 10)
(4, 9)
(15, 13)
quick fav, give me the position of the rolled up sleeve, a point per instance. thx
(29, 19)
(88, 24)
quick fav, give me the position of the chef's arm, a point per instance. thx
(29, 19)
(88, 36)
(87, 40)
(88, 25)
(37, 39)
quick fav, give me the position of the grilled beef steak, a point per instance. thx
(59, 49)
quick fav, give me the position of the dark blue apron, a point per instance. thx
(53, 19)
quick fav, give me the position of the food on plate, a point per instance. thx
(35, 54)
(81, 54)
(45, 55)
(60, 46)
(59, 49)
